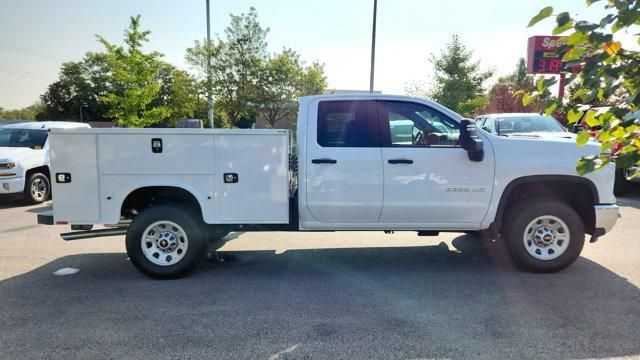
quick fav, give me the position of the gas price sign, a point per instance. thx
(544, 57)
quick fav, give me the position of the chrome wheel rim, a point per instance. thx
(39, 189)
(546, 237)
(164, 243)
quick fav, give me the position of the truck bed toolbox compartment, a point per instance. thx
(237, 176)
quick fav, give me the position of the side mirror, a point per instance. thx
(576, 128)
(470, 141)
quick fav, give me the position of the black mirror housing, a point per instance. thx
(470, 141)
(576, 128)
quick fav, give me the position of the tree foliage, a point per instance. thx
(246, 80)
(134, 75)
(503, 96)
(137, 89)
(80, 85)
(178, 93)
(134, 88)
(229, 67)
(458, 79)
(27, 113)
(282, 79)
(610, 73)
(84, 83)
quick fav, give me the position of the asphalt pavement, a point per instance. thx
(342, 295)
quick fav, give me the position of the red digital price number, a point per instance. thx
(552, 66)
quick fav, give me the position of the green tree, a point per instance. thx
(313, 80)
(178, 92)
(26, 113)
(80, 85)
(135, 75)
(281, 80)
(232, 65)
(458, 80)
(520, 78)
(609, 74)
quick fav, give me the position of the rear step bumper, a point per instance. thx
(45, 218)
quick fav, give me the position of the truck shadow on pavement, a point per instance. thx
(11, 201)
(631, 198)
(417, 302)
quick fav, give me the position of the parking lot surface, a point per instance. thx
(317, 295)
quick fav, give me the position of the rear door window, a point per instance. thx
(352, 123)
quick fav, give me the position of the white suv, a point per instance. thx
(24, 158)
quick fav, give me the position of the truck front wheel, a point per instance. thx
(543, 235)
(37, 188)
(166, 241)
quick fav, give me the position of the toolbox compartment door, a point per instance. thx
(74, 178)
(252, 178)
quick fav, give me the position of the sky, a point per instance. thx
(37, 36)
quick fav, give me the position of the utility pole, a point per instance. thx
(373, 44)
(209, 99)
(81, 106)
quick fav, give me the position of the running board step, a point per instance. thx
(77, 235)
(428, 233)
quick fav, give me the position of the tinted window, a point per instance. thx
(413, 124)
(347, 124)
(487, 125)
(30, 138)
(525, 124)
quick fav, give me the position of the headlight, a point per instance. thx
(7, 165)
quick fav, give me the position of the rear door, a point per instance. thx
(344, 162)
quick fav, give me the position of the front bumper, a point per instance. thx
(606, 217)
(12, 185)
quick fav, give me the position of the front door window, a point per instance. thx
(415, 125)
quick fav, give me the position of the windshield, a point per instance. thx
(30, 138)
(525, 124)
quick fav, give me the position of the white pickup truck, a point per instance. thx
(24, 159)
(364, 162)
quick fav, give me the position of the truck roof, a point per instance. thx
(47, 125)
(361, 95)
(506, 115)
(377, 96)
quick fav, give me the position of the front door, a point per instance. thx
(428, 178)
(344, 163)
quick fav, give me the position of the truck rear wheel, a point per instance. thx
(543, 235)
(165, 241)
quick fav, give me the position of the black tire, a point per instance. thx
(191, 223)
(620, 185)
(37, 188)
(517, 219)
